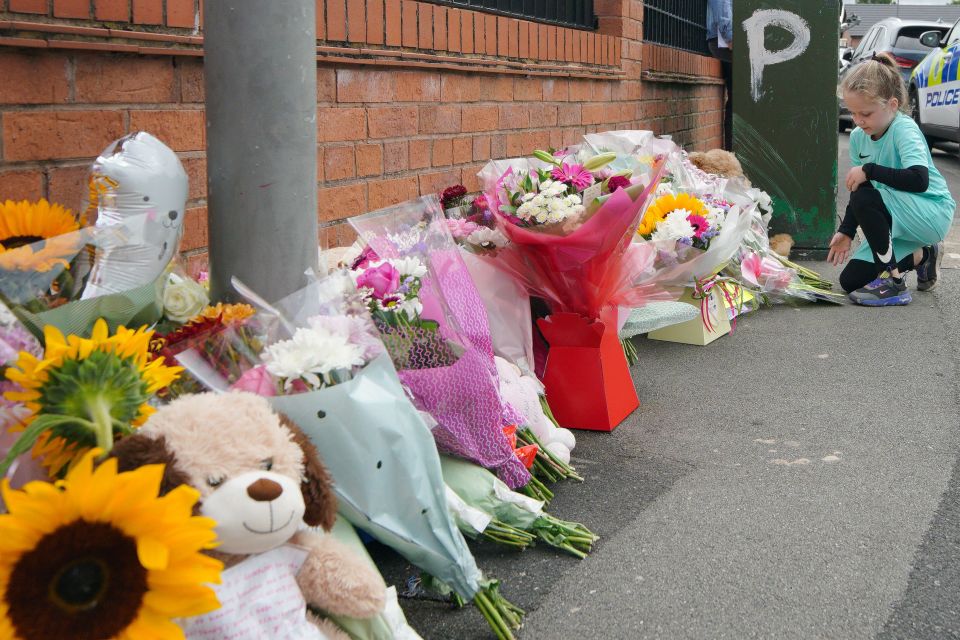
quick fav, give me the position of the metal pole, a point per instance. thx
(261, 99)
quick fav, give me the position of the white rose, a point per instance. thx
(183, 298)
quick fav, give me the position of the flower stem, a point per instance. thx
(99, 411)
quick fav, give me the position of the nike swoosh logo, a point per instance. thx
(863, 156)
(886, 257)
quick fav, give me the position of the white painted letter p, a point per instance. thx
(756, 27)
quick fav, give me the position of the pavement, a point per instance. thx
(796, 479)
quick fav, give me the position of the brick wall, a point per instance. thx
(411, 96)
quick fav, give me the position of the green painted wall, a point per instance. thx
(785, 110)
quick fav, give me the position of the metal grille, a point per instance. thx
(577, 14)
(680, 24)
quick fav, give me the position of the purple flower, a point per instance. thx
(384, 279)
(618, 182)
(574, 175)
(367, 256)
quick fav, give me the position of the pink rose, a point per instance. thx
(256, 380)
(383, 279)
(366, 256)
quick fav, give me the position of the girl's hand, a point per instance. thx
(839, 249)
(855, 178)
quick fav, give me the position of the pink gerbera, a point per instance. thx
(699, 224)
(574, 175)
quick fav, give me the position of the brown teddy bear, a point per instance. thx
(260, 478)
(718, 162)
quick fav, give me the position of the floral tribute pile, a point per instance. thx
(437, 370)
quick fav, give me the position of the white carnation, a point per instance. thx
(674, 227)
(487, 238)
(311, 353)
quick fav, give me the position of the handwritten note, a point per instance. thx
(259, 599)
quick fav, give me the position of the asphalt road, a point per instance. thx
(796, 479)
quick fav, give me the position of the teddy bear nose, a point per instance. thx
(264, 490)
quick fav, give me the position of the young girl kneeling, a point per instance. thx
(897, 197)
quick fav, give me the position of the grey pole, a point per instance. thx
(261, 109)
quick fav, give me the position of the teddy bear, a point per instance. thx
(261, 480)
(718, 162)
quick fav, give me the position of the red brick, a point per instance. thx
(458, 87)
(148, 11)
(437, 181)
(479, 32)
(33, 78)
(528, 89)
(417, 86)
(442, 155)
(59, 134)
(392, 20)
(369, 160)
(556, 90)
(568, 45)
(21, 185)
(336, 20)
(394, 156)
(192, 87)
(440, 28)
(326, 85)
(593, 113)
(498, 146)
(591, 48)
(490, 34)
(71, 9)
(440, 119)
(179, 129)
(503, 39)
(515, 146)
(513, 41)
(339, 163)
(469, 178)
(135, 79)
(419, 154)
(384, 193)
(196, 169)
(362, 85)
(462, 150)
(481, 148)
(180, 13)
(112, 10)
(480, 118)
(337, 203)
(466, 32)
(425, 28)
(409, 23)
(454, 22)
(496, 88)
(29, 6)
(195, 229)
(524, 40)
(68, 186)
(356, 20)
(197, 262)
(568, 114)
(543, 115)
(392, 122)
(334, 125)
(375, 32)
(320, 155)
(542, 45)
(513, 116)
(534, 41)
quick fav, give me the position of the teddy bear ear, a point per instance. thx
(317, 485)
(136, 450)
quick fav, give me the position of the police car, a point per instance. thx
(935, 89)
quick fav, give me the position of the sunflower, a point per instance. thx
(99, 555)
(33, 236)
(83, 391)
(657, 212)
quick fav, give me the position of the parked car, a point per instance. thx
(934, 89)
(897, 37)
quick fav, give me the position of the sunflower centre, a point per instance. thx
(80, 585)
(16, 242)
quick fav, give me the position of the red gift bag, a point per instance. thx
(587, 379)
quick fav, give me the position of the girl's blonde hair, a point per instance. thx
(878, 79)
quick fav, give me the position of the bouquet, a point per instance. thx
(321, 363)
(436, 332)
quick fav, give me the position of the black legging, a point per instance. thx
(874, 219)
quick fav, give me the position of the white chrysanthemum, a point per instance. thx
(409, 267)
(487, 238)
(715, 216)
(674, 227)
(311, 353)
